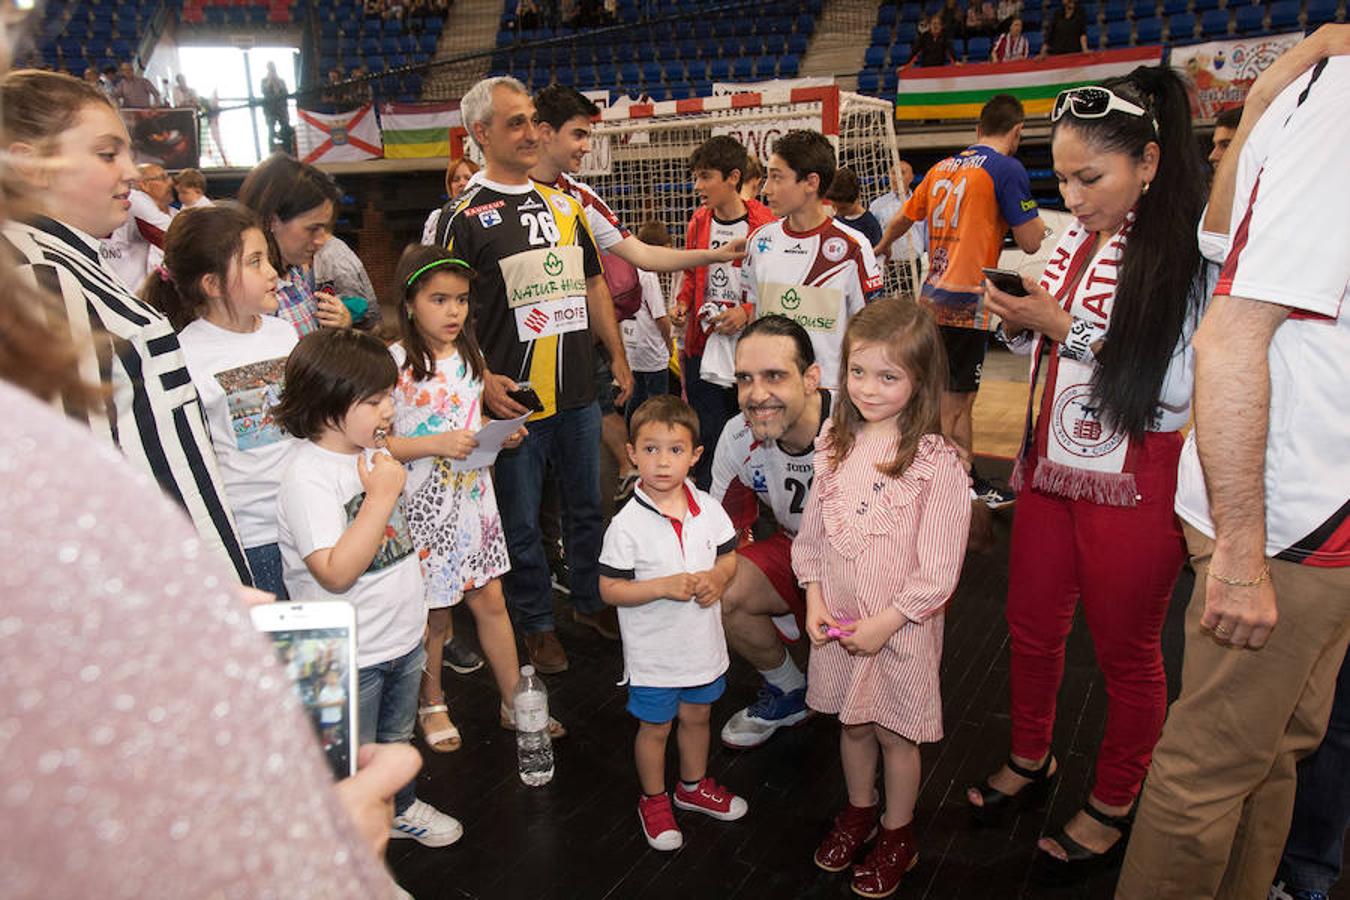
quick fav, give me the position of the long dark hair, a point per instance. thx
(201, 241)
(910, 339)
(1160, 271)
(406, 286)
(284, 187)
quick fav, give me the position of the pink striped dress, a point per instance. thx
(872, 541)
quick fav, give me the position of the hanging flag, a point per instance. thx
(344, 137)
(1221, 72)
(417, 130)
(959, 92)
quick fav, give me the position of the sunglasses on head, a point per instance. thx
(1095, 103)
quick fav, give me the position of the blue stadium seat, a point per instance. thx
(375, 63)
(881, 34)
(1214, 23)
(910, 12)
(1117, 34)
(672, 71)
(766, 67)
(696, 69)
(887, 14)
(1181, 27)
(977, 49)
(1250, 19)
(605, 73)
(629, 74)
(797, 43)
(875, 56)
(1174, 7)
(1283, 14)
(689, 49)
(1320, 11)
(651, 72)
(743, 68)
(1116, 10)
(889, 80)
(789, 65)
(869, 81)
(1034, 41)
(959, 47)
(565, 75)
(389, 44)
(1032, 17)
(1094, 36)
(907, 31)
(719, 69)
(679, 91)
(1148, 31)
(1205, 5)
(900, 54)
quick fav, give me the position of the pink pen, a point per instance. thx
(840, 632)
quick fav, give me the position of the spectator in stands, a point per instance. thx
(276, 112)
(500, 226)
(296, 203)
(1263, 496)
(981, 20)
(752, 185)
(933, 48)
(1115, 308)
(953, 18)
(923, 24)
(135, 91)
(136, 247)
(184, 96)
(527, 15)
(848, 209)
(457, 175)
(1012, 45)
(1067, 32)
(1007, 10)
(1225, 127)
(190, 185)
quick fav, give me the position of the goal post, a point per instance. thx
(640, 160)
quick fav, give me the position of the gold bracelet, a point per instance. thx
(1241, 582)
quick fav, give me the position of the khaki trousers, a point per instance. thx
(1220, 791)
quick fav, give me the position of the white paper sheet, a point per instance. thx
(490, 440)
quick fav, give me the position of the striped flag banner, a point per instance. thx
(418, 130)
(958, 92)
(345, 137)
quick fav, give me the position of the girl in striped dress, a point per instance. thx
(879, 553)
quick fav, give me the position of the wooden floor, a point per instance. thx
(578, 837)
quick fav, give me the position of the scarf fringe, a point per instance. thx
(1106, 488)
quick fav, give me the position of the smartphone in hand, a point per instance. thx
(316, 642)
(1007, 281)
(525, 395)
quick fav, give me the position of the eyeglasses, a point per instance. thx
(1095, 103)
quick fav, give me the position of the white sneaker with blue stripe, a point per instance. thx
(427, 825)
(771, 711)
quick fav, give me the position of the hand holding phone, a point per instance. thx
(524, 395)
(1007, 281)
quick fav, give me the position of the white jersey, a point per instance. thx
(723, 292)
(819, 279)
(746, 470)
(136, 247)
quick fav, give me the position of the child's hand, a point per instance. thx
(382, 477)
(708, 588)
(515, 439)
(457, 444)
(818, 618)
(870, 634)
(680, 587)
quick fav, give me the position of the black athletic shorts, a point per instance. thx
(965, 357)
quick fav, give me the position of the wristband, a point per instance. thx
(1241, 582)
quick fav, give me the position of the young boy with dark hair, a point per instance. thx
(711, 295)
(807, 266)
(668, 556)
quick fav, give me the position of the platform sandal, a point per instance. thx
(442, 740)
(1083, 862)
(996, 803)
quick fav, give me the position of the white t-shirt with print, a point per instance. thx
(320, 495)
(723, 291)
(669, 643)
(1290, 250)
(819, 279)
(642, 341)
(239, 378)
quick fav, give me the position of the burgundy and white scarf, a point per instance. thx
(1084, 456)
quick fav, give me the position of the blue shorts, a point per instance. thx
(659, 705)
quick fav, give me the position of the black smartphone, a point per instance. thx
(1007, 281)
(524, 395)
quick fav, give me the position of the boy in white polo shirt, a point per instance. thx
(667, 557)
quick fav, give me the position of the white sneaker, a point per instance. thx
(427, 825)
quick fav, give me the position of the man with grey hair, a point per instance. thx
(136, 248)
(540, 304)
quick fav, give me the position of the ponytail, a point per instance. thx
(200, 241)
(1161, 266)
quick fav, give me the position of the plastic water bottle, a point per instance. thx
(534, 748)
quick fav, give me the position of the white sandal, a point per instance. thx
(555, 728)
(445, 740)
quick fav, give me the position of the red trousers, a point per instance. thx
(1121, 563)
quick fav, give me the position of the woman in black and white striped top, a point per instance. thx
(72, 155)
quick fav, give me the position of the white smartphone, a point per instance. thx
(316, 642)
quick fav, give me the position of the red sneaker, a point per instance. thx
(894, 854)
(853, 827)
(658, 823)
(711, 799)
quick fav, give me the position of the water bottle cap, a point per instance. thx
(527, 671)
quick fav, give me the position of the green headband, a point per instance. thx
(448, 261)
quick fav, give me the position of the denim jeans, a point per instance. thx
(571, 440)
(387, 707)
(715, 405)
(265, 564)
(646, 385)
(1316, 843)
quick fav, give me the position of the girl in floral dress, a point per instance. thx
(879, 554)
(452, 513)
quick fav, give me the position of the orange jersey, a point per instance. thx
(969, 201)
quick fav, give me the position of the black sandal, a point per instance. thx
(996, 803)
(1083, 862)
